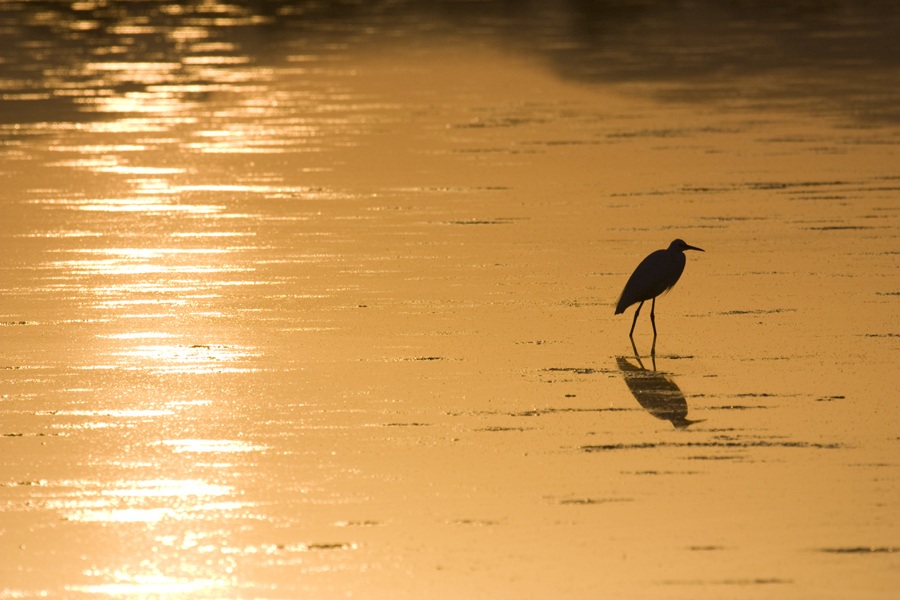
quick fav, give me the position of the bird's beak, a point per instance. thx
(686, 247)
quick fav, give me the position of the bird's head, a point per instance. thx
(680, 245)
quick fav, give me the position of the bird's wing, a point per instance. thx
(654, 275)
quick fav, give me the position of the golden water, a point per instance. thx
(308, 302)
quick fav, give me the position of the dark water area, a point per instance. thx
(832, 57)
(316, 299)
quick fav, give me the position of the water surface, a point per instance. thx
(317, 300)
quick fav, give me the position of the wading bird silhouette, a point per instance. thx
(654, 276)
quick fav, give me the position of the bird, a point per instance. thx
(654, 276)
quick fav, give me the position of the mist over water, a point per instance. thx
(316, 299)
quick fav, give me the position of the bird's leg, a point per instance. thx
(653, 321)
(636, 313)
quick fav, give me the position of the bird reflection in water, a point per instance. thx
(655, 391)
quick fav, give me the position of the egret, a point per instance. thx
(654, 276)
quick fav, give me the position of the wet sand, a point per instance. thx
(324, 322)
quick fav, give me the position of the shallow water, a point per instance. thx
(317, 301)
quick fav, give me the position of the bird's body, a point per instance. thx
(654, 276)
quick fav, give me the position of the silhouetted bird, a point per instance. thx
(654, 276)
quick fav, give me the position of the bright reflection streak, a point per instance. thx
(188, 34)
(144, 253)
(123, 413)
(135, 104)
(63, 234)
(127, 502)
(145, 302)
(134, 125)
(142, 261)
(196, 359)
(134, 69)
(168, 488)
(120, 515)
(142, 586)
(140, 335)
(97, 164)
(130, 170)
(186, 354)
(112, 267)
(202, 446)
(216, 60)
(212, 234)
(145, 206)
(88, 149)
